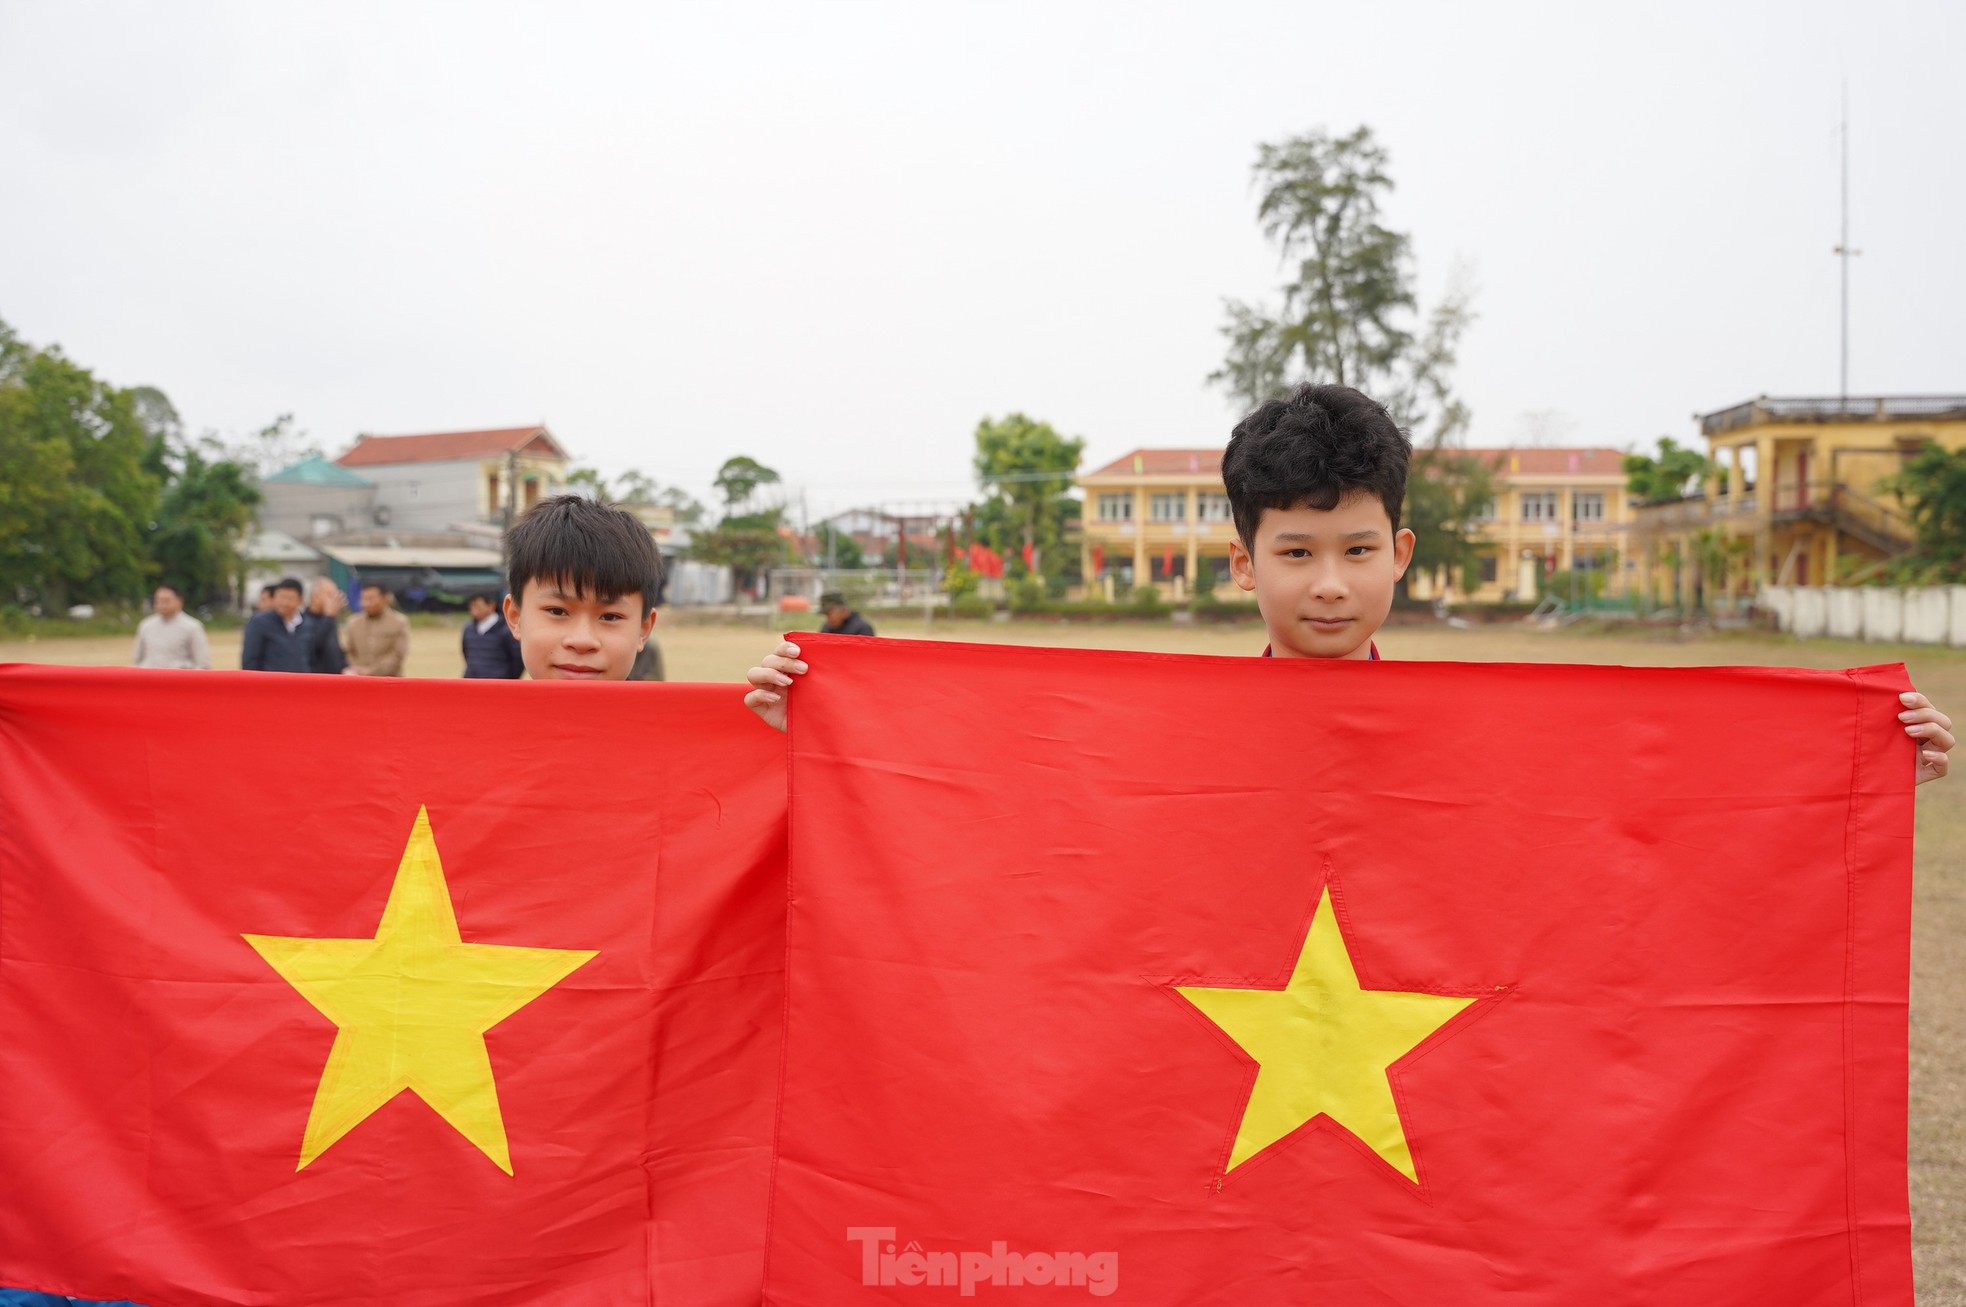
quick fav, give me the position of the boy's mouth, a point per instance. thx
(576, 671)
(1328, 623)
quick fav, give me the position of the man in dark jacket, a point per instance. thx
(840, 619)
(275, 641)
(491, 651)
(318, 624)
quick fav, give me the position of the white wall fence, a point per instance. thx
(1934, 614)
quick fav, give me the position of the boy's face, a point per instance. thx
(569, 637)
(1323, 578)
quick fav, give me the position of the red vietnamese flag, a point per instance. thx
(319, 990)
(1251, 981)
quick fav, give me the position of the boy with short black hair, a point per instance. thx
(1315, 482)
(583, 578)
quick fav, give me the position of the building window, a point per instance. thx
(1587, 508)
(1488, 569)
(1540, 507)
(1116, 508)
(1484, 511)
(1212, 507)
(1168, 508)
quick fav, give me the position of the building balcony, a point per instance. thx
(1851, 408)
(1832, 504)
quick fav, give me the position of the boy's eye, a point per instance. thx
(1359, 550)
(1296, 553)
(554, 610)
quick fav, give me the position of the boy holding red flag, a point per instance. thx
(593, 573)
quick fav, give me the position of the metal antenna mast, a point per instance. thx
(1844, 254)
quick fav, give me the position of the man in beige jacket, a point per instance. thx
(377, 639)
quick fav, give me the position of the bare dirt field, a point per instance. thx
(1938, 1021)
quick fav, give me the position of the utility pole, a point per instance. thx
(1844, 254)
(510, 509)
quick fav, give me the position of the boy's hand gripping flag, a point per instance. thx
(1249, 981)
(337, 991)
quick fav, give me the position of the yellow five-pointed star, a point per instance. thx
(1322, 1046)
(412, 1006)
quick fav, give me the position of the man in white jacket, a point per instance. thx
(171, 637)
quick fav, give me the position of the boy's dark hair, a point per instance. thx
(166, 585)
(288, 583)
(484, 595)
(585, 545)
(1311, 450)
(376, 585)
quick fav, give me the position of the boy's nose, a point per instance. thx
(581, 636)
(1328, 586)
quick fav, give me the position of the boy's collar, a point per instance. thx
(1374, 654)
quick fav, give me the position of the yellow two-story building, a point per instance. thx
(1796, 497)
(1162, 516)
(1159, 516)
(1558, 517)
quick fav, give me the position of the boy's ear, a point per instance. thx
(648, 624)
(1243, 568)
(512, 613)
(1403, 540)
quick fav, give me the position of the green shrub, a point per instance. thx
(1027, 594)
(973, 607)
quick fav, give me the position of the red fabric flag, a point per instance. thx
(1098, 561)
(320, 990)
(1167, 561)
(1252, 981)
(1030, 557)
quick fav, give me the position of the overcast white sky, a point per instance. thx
(833, 236)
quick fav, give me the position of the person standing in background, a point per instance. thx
(171, 637)
(491, 651)
(324, 604)
(274, 642)
(378, 638)
(841, 619)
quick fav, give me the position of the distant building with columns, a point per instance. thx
(1159, 516)
(1798, 495)
(1162, 515)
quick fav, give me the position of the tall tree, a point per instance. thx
(74, 485)
(1350, 312)
(202, 521)
(1350, 315)
(274, 447)
(635, 486)
(739, 479)
(748, 539)
(1346, 311)
(1026, 469)
(1932, 487)
(1672, 472)
(1448, 491)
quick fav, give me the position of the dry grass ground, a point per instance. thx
(1938, 1024)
